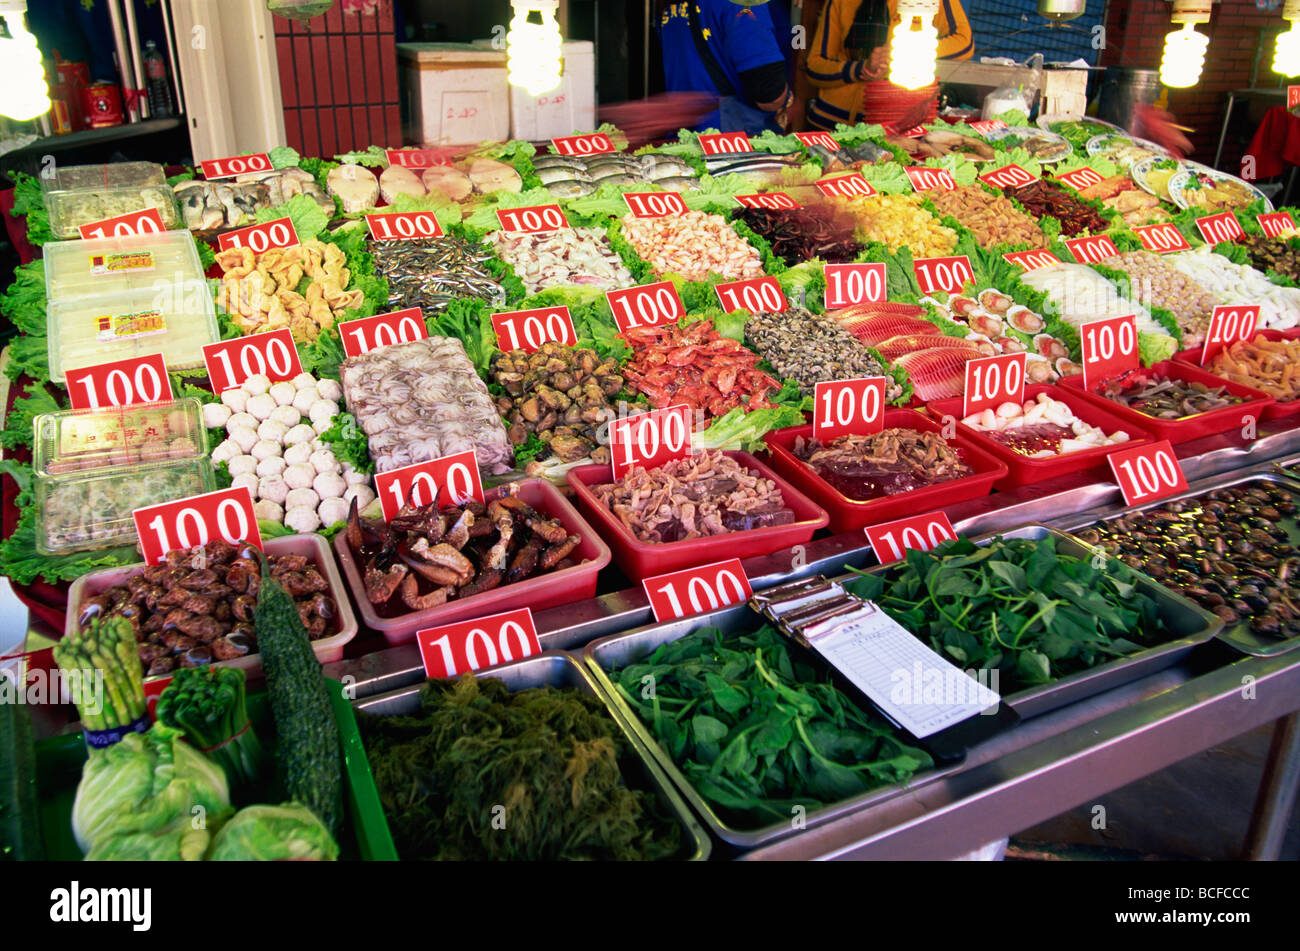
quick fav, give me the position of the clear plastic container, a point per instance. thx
(91, 510)
(79, 194)
(112, 265)
(80, 440)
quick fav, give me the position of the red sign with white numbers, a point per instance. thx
(533, 220)
(144, 221)
(1277, 224)
(399, 225)
(848, 407)
(692, 591)
(593, 143)
(824, 139)
(949, 274)
(197, 520)
(1230, 323)
(646, 305)
(126, 382)
(1161, 238)
(452, 480)
(655, 204)
(1110, 348)
(985, 126)
(271, 234)
(849, 284)
(382, 330)
(454, 649)
(1292, 97)
(892, 540)
(772, 201)
(527, 330)
(1080, 178)
(152, 691)
(1009, 176)
(845, 186)
(992, 381)
(926, 179)
(650, 439)
(236, 165)
(231, 362)
(1091, 249)
(719, 143)
(912, 133)
(754, 294)
(418, 158)
(1032, 260)
(1147, 473)
(1221, 227)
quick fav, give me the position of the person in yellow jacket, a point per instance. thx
(848, 62)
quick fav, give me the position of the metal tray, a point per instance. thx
(558, 669)
(1239, 636)
(619, 650)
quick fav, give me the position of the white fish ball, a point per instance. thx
(286, 415)
(262, 406)
(302, 381)
(298, 453)
(244, 438)
(283, 393)
(299, 476)
(225, 451)
(216, 414)
(297, 497)
(329, 485)
(273, 488)
(303, 399)
(257, 384)
(235, 399)
(355, 477)
(323, 409)
(300, 433)
(271, 465)
(362, 493)
(302, 519)
(272, 430)
(329, 389)
(320, 425)
(323, 460)
(247, 420)
(332, 511)
(268, 511)
(246, 480)
(265, 449)
(241, 464)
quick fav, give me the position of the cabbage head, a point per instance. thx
(270, 833)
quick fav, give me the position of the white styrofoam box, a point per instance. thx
(456, 93)
(565, 110)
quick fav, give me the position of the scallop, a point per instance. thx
(1025, 320)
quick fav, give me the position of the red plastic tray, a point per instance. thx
(1189, 427)
(1274, 410)
(848, 514)
(543, 591)
(1022, 469)
(640, 560)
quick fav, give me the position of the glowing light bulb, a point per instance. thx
(1286, 55)
(534, 51)
(913, 46)
(23, 93)
(1184, 56)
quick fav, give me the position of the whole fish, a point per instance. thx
(557, 161)
(604, 172)
(666, 169)
(678, 183)
(570, 188)
(617, 179)
(560, 173)
(611, 160)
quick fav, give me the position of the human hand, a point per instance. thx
(878, 62)
(1157, 125)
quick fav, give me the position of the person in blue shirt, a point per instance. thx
(732, 51)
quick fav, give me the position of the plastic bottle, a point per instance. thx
(156, 83)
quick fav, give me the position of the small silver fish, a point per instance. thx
(559, 173)
(570, 188)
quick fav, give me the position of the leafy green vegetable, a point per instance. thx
(30, 202)
(288, 832)
(309, 220)
(741, 429)
(372, 156)
(282, 156)
(185, 176)
(18, 422)
(470, 321)
(1014, 117)
(23, 303)
(348, 442)
(207, 705)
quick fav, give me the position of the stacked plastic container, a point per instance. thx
(79, 194)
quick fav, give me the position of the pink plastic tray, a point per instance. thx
(848, 514)
(544, 591)
(1022, 469)
(328, 649)
(640, 560)
(1274, 410)
(1190, 427)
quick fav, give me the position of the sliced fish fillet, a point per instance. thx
(937, 373)
(874, 329)
(895, 347)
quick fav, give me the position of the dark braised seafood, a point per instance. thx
(428, 556)
(1045, 200)
(1163, 397)
(798, 234)
(196, 606)
(885, 463)
(1232, 551)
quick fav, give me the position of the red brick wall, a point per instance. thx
(338, 78)
(1135, 36)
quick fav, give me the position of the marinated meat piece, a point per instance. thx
(886, 463)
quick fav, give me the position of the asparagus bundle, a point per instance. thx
(207, 705)
(101, 663)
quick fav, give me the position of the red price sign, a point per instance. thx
(1109, 348)
(1292, 97)
(647, 305)
(680, 594)
(527, 330)
(1162, 238)
(992, 381)
(1032, 260)
(1080, 178)
(721, 143)
(1230, 323)
(655, 204)
(1146, 473)
(849, 284)
(236, 165)
(985, 126)
(1277, 224)
(925, 179)
(849, 408)
(753, 294)
(452, 480)
(152, 691)
(772, 201)
(1090, 250)
(824, 139)
(418, 158)
(650, 439)
(534, 220)
(144, 221)
(197, 520)
(454, 649)
(270, 234)
(593, 143)
(398, 225)
(1221, 227)
(845, 186)
(382, 330)
(1009, 176)
(949, 274)
(892, 540)
(120, 383)
(912, 133)
(231, 362)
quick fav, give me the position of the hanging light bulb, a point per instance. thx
(23, 93)
(1286, 55)
(534, 51)
(1184, 55)
(914, 44)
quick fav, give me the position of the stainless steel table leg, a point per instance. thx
(1277, 792)
(1223, 132)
